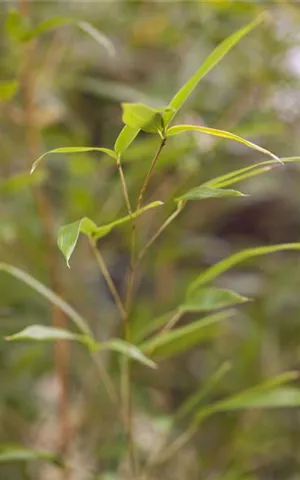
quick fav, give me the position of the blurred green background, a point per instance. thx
(77, 88)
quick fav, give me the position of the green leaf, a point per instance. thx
(125, 139)
(280, 397)
(246, 172)
(17, 453)
(171, 343)
(211, 273)
(138, 115)
(202, 192)
(129, 350)
(207, 299)
(107, 151)
(53, 298)
(219, 133)
(53, 23)
(43, 333)
(8, 90)
(100, 232)
(68, 235)
(268, 394)
(212, 60)
(16, 25)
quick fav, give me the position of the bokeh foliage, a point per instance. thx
(254, 92)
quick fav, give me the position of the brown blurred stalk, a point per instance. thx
(47, 220)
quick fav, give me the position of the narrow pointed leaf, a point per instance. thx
(129, 350)
(10, 453)
(8, 90)
(107, 151)
(267, 394)
(229, 262)
(52, 297)
(125, 139)
(219, 133)
(139, 115)
(100, 232)
(202, 192)
(44, 333)
(211, 61)
(278, 398)
(246, 172)
(206, 299)
(171, 343)
(68, 235)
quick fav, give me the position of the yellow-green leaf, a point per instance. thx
(127, 349)
(202, 192)
(43, 333)
(211, 298)
(219, 133)
(8, 90)
(171, 343)
(52, 297)
(107, 151)
(101, 231)
(211, 273)
(68, 235)
(139, 115)
(125, 138)
(211, 61)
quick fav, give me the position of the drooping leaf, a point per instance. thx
(246, 172)
(43, 333)
(219, 133)
(107, 151)
(211, 273)
(206, 299)
(125, 138)
(67, 236)
(8, 89)
(56, 22)
(129, 350)
(53, 298)
(100, 232)
(202, 192)
(139, 115)
(16, 453)
(212, 60)
(171, 343)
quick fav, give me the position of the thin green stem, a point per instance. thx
(108, 385)
(149, 173)
(158, 232)
(108, 279)
(124, 185)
